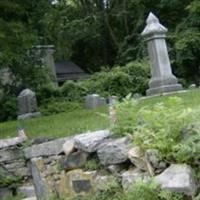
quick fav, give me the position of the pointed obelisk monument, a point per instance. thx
(162, 80)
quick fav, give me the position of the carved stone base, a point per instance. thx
(164, 89)
(29, 115)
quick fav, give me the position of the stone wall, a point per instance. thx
(85, 164)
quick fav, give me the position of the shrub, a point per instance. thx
(46, 92)
(159, 127)
(120, 80)
(55, 106)
(73, 91)
(8, 107)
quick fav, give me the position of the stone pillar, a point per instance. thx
(27, 105)
(48, 59)
(162, 80)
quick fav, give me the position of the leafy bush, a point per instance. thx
(119, 81)
(8, 107)
(54, 106)
(47, 92)
(73, 91)
(159, 127)
(188, 150)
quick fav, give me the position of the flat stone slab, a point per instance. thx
(89, 142)
(178, 178)
(53, 147)
(114, 151)
(7, 155)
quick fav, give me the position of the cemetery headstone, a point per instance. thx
(93, 101)
(27, 105)
(162, 80)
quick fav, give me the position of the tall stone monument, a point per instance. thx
(162, 80)
(27, 105)
(47, 52)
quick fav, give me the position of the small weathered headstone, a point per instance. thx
(27, 105)
(162, 79)
(93, 101)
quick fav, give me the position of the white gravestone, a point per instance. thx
(27, 105)
(162, 80)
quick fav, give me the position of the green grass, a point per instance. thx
(59, 125)
(191, 98)
(82, 120)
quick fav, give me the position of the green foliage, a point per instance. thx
(92, 163)
(120, 81)
(188, 149)
(73, 91)
(54, 106)
(140, 191)
(48, 91)
(159, 127)
(8, 107)
(7, 179)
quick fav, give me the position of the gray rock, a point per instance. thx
(22, 171)
(116, 169)
(89, 142)
(68, 147)
(114, 151)
(178, 178)
(53, 147)
(153, 157)
(27, 191)
(7, 155)
(80, 182)
(136, 157)
(42, 189)
(132, 176)
(75, 160)
(15, 164)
